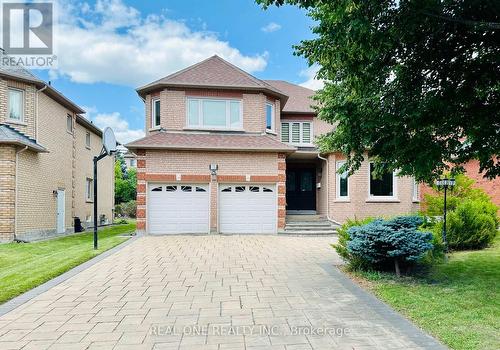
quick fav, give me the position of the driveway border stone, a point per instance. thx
(405, 326)
(32, 293)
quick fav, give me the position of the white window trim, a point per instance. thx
(21, 119)
(89, 196)
(301, 122)
(416, 191)
(87, 145)
(340, 198)
(228, 126)
(273, 117)
(393, 198)
(153, 113)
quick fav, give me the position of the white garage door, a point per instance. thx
(174, 208)
(247, 208)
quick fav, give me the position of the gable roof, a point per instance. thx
(299, 98)
(214, 72)
(9, 135)
(210, 142)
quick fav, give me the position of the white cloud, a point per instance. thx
(112, 42)
(124, 134)
(271, 27)
(311, 82)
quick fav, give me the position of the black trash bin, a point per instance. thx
(78, 225)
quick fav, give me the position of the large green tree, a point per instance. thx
(414, 83)
(125, 181)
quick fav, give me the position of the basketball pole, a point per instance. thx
(96, 159)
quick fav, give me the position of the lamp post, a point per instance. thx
(445, 183)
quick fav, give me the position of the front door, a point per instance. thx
(300, 191)
(61, 211)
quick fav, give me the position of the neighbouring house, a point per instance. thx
(46, 168)
(227, 152)
(491, 187)
(130, 160)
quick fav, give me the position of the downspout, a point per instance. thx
(36, 106)
(327, 188)
(17, 191)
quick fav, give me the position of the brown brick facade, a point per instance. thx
(7, 192)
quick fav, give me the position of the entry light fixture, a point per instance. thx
(213, 169)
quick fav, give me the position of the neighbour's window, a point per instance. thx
(155, 112)
(69, 123)
(342, 182)
(16, 102)
(298, 133)
(89, 189)
(133, 163)
(87, 139)
(382, 186)
(214, 113)
(416, 190)
(269, 116)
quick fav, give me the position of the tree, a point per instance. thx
(414, 84)
(125, 183)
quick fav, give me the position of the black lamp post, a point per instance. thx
(445, 183)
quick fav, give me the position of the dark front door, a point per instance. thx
(300, 189)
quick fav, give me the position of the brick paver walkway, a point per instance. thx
(210, 292)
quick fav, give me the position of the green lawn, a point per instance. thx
(24, 266)
(458, 302)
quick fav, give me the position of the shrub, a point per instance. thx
(341, 247)
(472, 217)
(397, 240)
(127, 209)
(472, 225)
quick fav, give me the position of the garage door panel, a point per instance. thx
(174, 208)
(247, 208)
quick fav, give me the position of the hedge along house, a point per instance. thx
(46, 151)
(227, 152)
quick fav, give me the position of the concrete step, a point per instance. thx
(298, 218)
(308, 233)
(309, 223)
(309, 228)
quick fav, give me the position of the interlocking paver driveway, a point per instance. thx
(208, 292)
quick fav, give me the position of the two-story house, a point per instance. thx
(46, 168)
(227, 152)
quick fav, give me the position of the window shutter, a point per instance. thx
(306, 133)
(285, 132)
(296, 132)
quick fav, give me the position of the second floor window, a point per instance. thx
(69, 123)
(155, 113)
(87, 139)
(270, 116)
(297, 133)
(16, 105)
(214, 113)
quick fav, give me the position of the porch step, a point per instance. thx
(309, 225)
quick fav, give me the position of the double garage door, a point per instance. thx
(175, 208)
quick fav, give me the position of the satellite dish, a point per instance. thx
(109, 141)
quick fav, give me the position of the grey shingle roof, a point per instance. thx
(9, 135)
(214, 72)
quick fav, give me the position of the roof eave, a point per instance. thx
(218, 149)
(36, 148)
(86, 123)
(142, 91)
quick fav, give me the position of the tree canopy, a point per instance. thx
(414, 84)
(125, 181)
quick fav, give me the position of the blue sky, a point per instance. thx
(108, 48)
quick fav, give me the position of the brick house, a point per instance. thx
(227, 152)
(46, 169)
